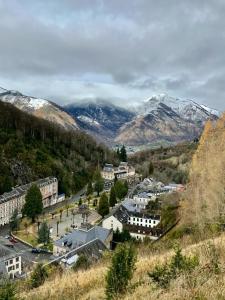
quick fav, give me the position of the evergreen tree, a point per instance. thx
(123, 154)
(99, 185)
(150, 168)
(38, 276)
(103, 207)
(121, 271)
(14, 221)
(112, 197)
(120, 189)
(89, 188)
(44, 233)
(118, 152)
(33, 203)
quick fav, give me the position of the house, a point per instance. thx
(108, 172)
(143, 220)
(116, 219)
(81, 237)
(127, 216)
(16, 198)
(10, 261)
(123, 171)
(140, 233)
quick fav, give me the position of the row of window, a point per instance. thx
(142, 220)
(10, 262)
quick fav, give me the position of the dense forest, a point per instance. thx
(32, 148)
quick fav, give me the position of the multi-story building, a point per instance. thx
(16, 198)
(140, 225)
(10, 262)
(123, 171)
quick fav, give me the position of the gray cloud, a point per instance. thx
(117, 49)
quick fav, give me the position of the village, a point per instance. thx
(119, 206)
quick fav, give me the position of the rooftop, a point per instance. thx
(21, 190)
(79, 237)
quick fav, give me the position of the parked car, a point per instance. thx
(36, 250)
(12, 240)
(9, 245)
(7, 237)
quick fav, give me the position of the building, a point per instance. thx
(123, 171)
(142, 199)
(144, 220)
(10, 261)
(16, 198)
(127, 216)
(108, 172)
(115, 220)
(82, 237)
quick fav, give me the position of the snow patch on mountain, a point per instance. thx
(187, 109)
(88, 120)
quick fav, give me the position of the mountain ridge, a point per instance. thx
(161, 118)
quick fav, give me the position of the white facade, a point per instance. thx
(122, 172)
(143, 221)
(16, 198)
(13, 265)
(112, 223)
(141, 236)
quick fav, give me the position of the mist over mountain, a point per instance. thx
(161, 118)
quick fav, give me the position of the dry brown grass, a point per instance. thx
(202, 284)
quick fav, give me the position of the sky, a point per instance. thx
(123, 51)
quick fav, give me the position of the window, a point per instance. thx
(17, 259)
(17, 266)
(11, 261)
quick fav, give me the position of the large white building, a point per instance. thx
(10, 262)
(123, 171)
(139, 225)
(16, 198)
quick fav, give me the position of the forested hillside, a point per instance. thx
(167, 164)
(32, 148)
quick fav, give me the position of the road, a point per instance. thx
(28, 257)
(72, 199)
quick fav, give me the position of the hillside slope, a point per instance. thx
(33, 148)
(39, 107)
(206, 198)
(204, 283)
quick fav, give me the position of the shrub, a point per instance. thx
(8, 290)
(121, 270)
(162, 275)
(38, 276)
(83, 263)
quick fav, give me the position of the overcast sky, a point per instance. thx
(121, 50)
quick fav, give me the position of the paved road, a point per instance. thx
(73, 199)
(28, 257)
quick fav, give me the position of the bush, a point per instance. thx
(38, 276)
(162, 275)
(83, 263)
(8, 290)
(121, 270)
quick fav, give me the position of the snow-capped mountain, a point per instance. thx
(39, 107)
(100, 119)
(188, 109)
(160, 118)
(164, 118)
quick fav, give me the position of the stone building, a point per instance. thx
(16, 198)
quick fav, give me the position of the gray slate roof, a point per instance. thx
(80, 237)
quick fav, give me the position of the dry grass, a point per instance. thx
(202, 284)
